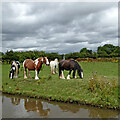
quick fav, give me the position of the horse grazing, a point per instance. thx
(54, 66)
(35, 65)
(70, 65)
(14, 71)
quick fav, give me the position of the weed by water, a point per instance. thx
(100, 86)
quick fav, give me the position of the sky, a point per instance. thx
(58, 26)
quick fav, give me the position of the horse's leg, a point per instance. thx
(74, 73)
(63, 75)
(56, 69)
(60, 76)
(29, 74)
(36, 75)
(59, 71)
(68, 77)
(25, 72)
(16, 72)
(53, 69)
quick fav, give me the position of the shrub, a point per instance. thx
(100, 82)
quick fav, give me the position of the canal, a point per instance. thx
(14, 106)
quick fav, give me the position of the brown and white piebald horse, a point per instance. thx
(35, 65)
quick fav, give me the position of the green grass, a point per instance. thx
(99, 87)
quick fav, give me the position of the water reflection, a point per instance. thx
(69, 107)
(32, 105)
(36, 106)
(44, 108)
(15, 101)
(94, 112)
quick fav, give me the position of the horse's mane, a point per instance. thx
(76, 64)
(15, 64)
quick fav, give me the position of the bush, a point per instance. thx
(99, 86)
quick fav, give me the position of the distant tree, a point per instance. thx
(84, 52)
(108, 50)
(117, 51)
(10, 56)
(1, 56)
(52, 56)
(94, 55)
(76, 55)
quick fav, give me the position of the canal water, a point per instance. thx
(22, 107)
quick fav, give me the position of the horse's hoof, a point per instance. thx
(68, 77)
(25, 77)
(16, 77)
(36, 78)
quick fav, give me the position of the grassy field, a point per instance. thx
(99, 87)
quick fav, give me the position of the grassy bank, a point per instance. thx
(98, 88)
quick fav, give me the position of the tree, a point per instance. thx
(94, 55)
(10, 56)
(84, 52)
(108, 50)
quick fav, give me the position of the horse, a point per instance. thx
(54, 66)
(70, 65)
(14, 71)
(35, 65)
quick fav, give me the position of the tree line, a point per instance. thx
(106, 51)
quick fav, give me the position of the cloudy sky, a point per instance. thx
(58, 27)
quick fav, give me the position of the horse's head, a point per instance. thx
(39, 61)
(45, 60)
(12, 72)
(80, 73)
(56, 60)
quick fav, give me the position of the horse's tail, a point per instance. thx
(24, 63)
(60, 70)
(64, 57)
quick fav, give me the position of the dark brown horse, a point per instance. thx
(69, 65)
(35, 65)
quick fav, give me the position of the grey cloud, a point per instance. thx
(59, 27)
